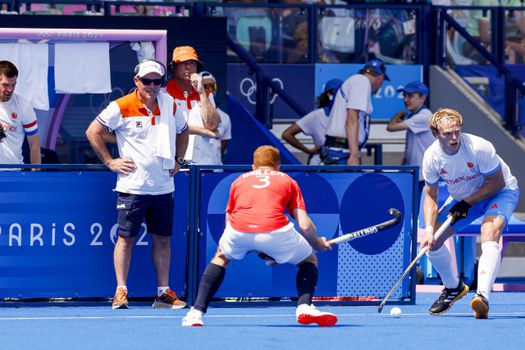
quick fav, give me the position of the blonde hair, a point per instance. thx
(442, 114)
(266, 156)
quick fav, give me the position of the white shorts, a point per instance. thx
(284, 245)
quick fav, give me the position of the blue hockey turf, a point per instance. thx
(359, 327)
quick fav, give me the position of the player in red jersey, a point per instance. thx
(256, 221)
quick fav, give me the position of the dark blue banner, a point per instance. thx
(338, 203)
(57, 234)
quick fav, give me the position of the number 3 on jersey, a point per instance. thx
(264, 180)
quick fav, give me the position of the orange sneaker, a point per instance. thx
(120, 300)
(169, 300)
(480, 306)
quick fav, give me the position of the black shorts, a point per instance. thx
(134, 209)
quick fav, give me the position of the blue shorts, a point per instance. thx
(502, 204)
(156, 210)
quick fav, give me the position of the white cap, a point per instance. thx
(207, 75)
(149, 66)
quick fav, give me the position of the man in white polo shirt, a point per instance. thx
(348, 126)
(152, 137)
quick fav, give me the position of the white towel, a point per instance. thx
(145, 50)
(32, 63)
(82, 68)
(164, 143)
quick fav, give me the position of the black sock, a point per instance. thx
(306, 281)
(211, 281)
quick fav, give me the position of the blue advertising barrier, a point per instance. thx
(57, 234)
(339, 201)
(58, 230)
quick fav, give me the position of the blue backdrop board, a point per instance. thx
(387, 100)
(338, 202)
(57, 234)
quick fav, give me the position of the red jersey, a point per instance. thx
(258, 200)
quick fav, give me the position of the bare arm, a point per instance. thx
(95, 134)
(484, 31)
(209, 114)
(397, 123)
(493, 184)
(430, 210)
(352, 135)
(197, 130)
(289, 136)
(34, 149)
(309, 230)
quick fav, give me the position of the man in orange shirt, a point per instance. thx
(196, 104)
(256, 221)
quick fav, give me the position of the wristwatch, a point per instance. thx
(182, 161)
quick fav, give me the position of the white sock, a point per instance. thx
(122, 287)
(162, 290)
(196, 312)
(442, 262)
(488, 267)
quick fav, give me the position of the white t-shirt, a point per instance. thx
(418, 138)
(355, 93)
(134, 127)
(208, 149)
(314, 124)
(18, 119)
(464, 171)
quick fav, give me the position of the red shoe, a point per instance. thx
(308, 314)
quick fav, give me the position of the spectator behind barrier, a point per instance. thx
(218, 145)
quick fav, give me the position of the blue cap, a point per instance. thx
(377, 66)
(332, 84)
(413, 87)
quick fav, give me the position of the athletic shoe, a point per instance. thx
(308, 314)
(480, 305)
(193, 319)
(120, 300)
(169, 300)
(447, 298)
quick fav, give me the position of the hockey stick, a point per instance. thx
(416, 259)
(369, 230)
(353, 235)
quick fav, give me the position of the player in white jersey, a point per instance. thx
(18, 120)
(152, 137)
(314, 124)
(348, 126)
(480, 184)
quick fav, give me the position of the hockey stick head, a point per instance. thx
(395, 213)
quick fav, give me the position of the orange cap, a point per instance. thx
(186, 53)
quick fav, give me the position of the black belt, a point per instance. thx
(338, 142)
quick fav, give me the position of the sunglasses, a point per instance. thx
(211, 86)
(149, 81)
